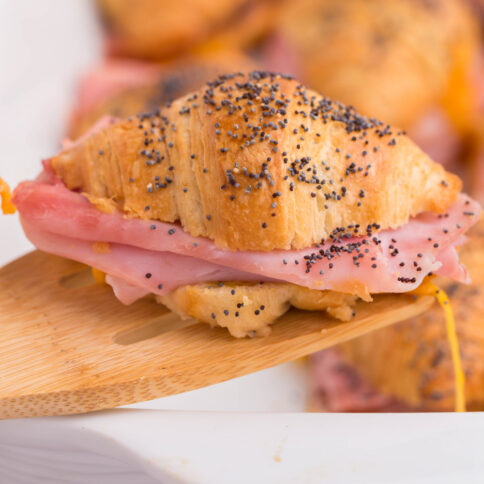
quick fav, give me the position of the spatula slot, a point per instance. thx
(82, 278)
(164, 324)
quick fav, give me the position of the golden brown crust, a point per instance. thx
(249, 309)
(391, 59)
(258, 162)
(158, 29)
(175, 79)
(411, 360)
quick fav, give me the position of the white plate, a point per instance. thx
(44, 46)
(150, 446)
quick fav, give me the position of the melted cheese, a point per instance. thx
(101, 247)
(98, 275)
(429, 288)
(8, 207)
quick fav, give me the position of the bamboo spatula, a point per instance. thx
(68, 346)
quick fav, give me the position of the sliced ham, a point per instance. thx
(125, 292)
(357, 265)
(336, 386)
(113, 77)
(436, 135)
(281, 56)
(153, 271)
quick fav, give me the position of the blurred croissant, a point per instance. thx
(122, 88)
(408, 366)
(407, 61)
(158, 29)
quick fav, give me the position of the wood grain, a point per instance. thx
(68, 346)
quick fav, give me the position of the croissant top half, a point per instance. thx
(258, 162)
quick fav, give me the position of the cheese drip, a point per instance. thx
(8, 207)
(428, 288)
(98, 275)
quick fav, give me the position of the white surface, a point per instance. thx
(44, 46)
(211, 448)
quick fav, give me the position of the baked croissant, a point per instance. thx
(313, 153)
(123, 88)
(408, 366)
(250, 195)
(409, 62)
(158, 29)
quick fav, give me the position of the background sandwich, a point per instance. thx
(414, 64)
(122, 87)
(408, 366)
(160, 29)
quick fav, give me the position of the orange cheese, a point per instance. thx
(98, 275)
(8, 207)
(428, 288)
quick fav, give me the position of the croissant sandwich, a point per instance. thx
(412, 63)
(246, 197)
(407, 366)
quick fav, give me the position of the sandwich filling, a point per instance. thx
(158, 257)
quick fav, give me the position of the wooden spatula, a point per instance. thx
(68, 346)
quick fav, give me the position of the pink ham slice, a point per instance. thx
(111, 78)
(145, 269)
(279, 55)
(436, 135)
(173, 257)
(125, 292)
(336, 386)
